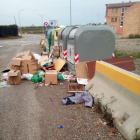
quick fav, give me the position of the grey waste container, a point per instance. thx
(63, 41)
(60, 34)
(89, 43)
(53, 36)
(46, 39)
(49, 37)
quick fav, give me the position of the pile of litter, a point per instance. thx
(43, 70)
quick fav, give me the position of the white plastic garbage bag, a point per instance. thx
(5, 76)
(27, 76)
(37, 56)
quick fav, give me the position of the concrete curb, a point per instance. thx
(109, 80)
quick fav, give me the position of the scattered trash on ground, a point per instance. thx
(60, 126)
(60, 77)
(4, 84)
(78, 98)
(73, 87)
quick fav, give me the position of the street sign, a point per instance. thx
(46, 24)
(53, 23)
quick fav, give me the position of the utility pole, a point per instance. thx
(42, 21)
(70, 14)
(15, 20)
(19, 22)
(98, 18)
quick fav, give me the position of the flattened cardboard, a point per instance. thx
(81, 70)
(56, 51)
(16, 61)
(58, 65)
(91, 68)
(45, 53)
(43, 60)
(51, 77)
(29, 66)
(14, 77)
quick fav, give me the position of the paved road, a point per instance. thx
(18, 106)
(35, 114)
(9, 48)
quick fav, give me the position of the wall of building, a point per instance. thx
(110, 15)
(132, 20)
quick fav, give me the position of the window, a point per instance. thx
(112, 19)
(112, 10)
(122, 12)
(116, 19)
(116, 10)
(121, 24)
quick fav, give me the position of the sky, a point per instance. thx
(83, 11)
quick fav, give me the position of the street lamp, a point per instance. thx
(70, 14)
(42, 21)
(98, 18)
(19, 21)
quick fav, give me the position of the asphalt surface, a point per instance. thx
(18, 106)
(29, 113)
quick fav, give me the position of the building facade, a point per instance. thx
(115, 14)
(132, 20)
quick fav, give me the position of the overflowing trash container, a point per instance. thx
(89, 43)
(49, 37)
(60, 35)
(56, 36)
(63, 41)
(46, 39)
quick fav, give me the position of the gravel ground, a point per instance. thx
(128, 46)
(137, 66)
(78, 121)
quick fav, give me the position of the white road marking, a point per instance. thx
(1, 46)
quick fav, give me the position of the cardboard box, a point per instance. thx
(45, 53)
(27, 55)
(13, 67)
(14, 77)
(43, 60)
(16, 61)
(51, 77)
(56, 51)
(29, 66)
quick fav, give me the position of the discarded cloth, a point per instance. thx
(78, 98)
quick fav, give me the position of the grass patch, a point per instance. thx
(131, 36)
(137, 135)
(135, 55)
(34, 29)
